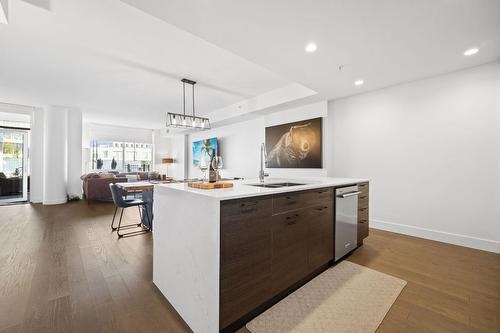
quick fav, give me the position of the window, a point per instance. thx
(121, 156)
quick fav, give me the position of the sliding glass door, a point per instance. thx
(13, 165)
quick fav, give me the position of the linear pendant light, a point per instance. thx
(186, 120)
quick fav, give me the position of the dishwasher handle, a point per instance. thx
(349, 194)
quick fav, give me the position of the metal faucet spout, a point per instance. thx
(263, 162)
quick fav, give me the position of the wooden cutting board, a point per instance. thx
(210, 186)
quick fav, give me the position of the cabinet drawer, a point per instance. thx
(320, 220)
(289, 229)
(363, 201)
(288, 201)
(289, 249)
(320, 243)
(248, 208)
(363, 229)
(324, 195)
(245, 266)
(362, 210)
(363, 187)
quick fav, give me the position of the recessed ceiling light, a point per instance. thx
(311, 47)
(359, 82)
(471, 51)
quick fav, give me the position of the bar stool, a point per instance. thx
(122, 203)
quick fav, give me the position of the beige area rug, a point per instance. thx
(345, 298)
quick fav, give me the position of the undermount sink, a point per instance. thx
(276, 185)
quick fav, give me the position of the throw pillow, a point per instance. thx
(153, 175)
(106, 175)
(132, 178)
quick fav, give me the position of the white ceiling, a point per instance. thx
(117, 64)
(121, 65)
(383, 42)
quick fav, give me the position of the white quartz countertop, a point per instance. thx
(242, 189)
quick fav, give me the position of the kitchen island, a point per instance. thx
(222, 256)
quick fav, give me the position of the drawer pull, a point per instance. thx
(363, 221)
(363, 197)
(248, 207)
(363, 209)
(322, 208)
(252, 203)
(292, 219)
(291, 202)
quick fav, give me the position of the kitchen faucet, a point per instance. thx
(263, 159)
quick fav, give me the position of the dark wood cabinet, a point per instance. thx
(289, 201)
(289, 249)
(320, 235)
(363, 212)
(269, 244)
(245, 257)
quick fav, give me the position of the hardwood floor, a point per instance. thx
(62, 270)
(450, 288)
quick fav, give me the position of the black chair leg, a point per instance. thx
(113, 220)
(149, 218)
(119, 224)
(132, 225)
(131, 233)
(140, 215)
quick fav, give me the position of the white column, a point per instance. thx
(74, 151)
(54, 155)
(179, 151)
(85, 147)
(36, 156)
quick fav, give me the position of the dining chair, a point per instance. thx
(122, 203)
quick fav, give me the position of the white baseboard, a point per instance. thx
(436, 235)
(56, 201)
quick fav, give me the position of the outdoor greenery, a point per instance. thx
(113, 164)
(14, 149)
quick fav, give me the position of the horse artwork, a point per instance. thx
(295, 145)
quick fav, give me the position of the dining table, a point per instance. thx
(146, 190)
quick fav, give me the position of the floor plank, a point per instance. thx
(63, 270)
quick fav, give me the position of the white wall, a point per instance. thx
(432, 151)
(173, 146)
(55, 150)
(55, 153)
(118, 133)
(36, 156)
(240, 143)
(75, 164)
(162, 149)
(179, 152)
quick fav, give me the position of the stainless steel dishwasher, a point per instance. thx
(346, 220)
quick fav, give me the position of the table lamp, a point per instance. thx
(167, 161)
